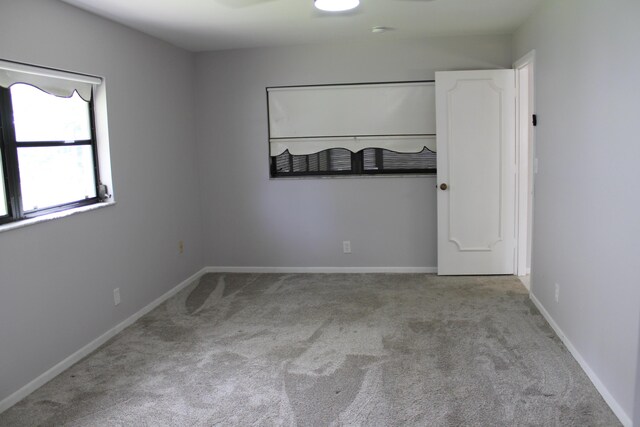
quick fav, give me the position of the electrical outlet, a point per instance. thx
(557, 292)
(116, 296)
(346, 246)
(181, 247)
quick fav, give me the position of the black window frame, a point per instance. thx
(357, 159)
(357, 167)
(9, 148)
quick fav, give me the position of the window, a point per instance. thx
(48, 142)
(352, 129)
(338, 161)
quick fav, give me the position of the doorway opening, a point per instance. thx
(526, 165)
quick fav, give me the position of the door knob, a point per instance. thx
(443, 186)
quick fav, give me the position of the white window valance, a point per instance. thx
(394, 116)
(55, 82)
(399, 144)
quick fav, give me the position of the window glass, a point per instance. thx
(52, 176)
(39, 116)
(48, 142)
(387, 160)
(337, 160)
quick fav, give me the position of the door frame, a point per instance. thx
(525, 152)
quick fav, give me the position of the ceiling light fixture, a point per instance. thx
(336, 5)
(381, 29)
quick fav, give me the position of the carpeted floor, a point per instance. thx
(328, 349)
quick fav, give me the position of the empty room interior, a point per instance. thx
(319, 212)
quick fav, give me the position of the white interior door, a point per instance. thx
(476, 171)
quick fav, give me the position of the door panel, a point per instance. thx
(475, 143)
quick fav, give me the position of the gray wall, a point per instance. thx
(587, 203)
(250, 220)
(57, 278)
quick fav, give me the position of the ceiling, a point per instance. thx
(204, 25)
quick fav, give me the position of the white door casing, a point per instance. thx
(475, 120)
(525, 139)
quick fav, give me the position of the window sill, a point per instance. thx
(347, 176)
(52, 216)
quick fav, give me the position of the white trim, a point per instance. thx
(60, 367)
(530, 57)
(524, 157)
(527, 272)
(243, 269)
(56, 215)
(602, 389)
(526, 282)
(19, 67)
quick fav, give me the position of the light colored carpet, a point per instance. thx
(316, 350)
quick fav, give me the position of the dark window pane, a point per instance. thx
(39, 116)
(282, 162)
(323, 160)
(380, 159)
(299, 163)
(369, 158)
(314, 162)
(51, 176)
(339, 159)
(332, 160)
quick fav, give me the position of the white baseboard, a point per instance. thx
(526, 281)
(47, 376)
(602, 389)
(242, 269)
